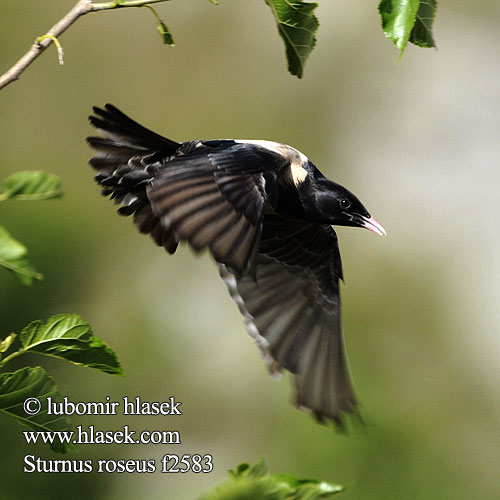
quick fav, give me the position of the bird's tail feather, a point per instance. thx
(122, 139)
(127, 157)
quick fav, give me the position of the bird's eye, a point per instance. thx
(345, 203)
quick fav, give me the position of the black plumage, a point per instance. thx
(265, 212)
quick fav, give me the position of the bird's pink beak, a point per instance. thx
(373, 225)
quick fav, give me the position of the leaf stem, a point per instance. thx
(5, 360)
(60, 51)
(154, 12)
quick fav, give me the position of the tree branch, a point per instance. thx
(81, 8)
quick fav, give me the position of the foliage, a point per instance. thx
(31, 185)
(421, 34)
(27, 185)
(32, 382)
(406, 21)
(255, 483)
(68, 336)
(13, 256)
(162, 29)
(403, 21)
(297, 26)
(65, 336)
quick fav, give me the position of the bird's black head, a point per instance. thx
(338, 206)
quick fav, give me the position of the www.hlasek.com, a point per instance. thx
(169, 463)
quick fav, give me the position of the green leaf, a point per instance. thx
(255, 483)
(297, 26)
(68, 336)
(6, 342)
(421, 34)
(308, 489)
(32, 185)
(13, 257)
(398, 19)
(165, 34)
(33, 382)
(258, 470)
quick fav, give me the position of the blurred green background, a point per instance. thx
(416, 140)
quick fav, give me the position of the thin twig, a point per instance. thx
(81, 8)
(116, 5)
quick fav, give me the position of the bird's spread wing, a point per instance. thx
(292, 310)
(215, 198)
(210, 193)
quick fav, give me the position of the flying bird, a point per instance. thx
(265, 212)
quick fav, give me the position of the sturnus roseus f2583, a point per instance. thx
(265, 212)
